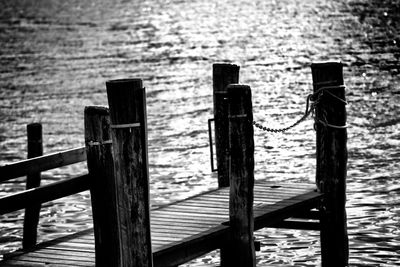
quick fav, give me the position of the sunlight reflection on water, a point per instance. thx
(56, 56)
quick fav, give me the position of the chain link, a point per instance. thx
(310, 108)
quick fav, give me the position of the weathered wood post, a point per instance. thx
(241, 172)
(223, 75)
(102, 186)
(31, 219)
(331, 170)
(127, 102)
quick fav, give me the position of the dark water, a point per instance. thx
(55, 57)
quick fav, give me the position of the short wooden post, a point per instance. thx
(127, 102)
(31, 219)
(223, 75)
(102, 186)
(331, 160)
(241, 146)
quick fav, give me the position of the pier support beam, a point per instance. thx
(240, 249)
(331, 170)
(102, 186)
(32, 213)
(127, 103)
(223, 75)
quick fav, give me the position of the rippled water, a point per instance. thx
(55, 57)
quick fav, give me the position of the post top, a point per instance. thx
(324, 64)
(238, 90)
(119, 82)
(100, 110)
(225, 65)
(34, 124)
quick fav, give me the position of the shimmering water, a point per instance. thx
(55, 57)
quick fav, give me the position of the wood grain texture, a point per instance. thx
(177, 239)
(42, 163)
(241, 175)
(44, 193)
(127, 103)
(31, 218)
(102, 185)
(332, 162)
(223, 75)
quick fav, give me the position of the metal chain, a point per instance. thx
(309, 110)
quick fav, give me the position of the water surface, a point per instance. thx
(56, 56)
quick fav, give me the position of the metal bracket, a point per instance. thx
(213, 169)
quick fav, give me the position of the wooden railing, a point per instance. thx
(42, 163)
(43, 194)
(34, 195)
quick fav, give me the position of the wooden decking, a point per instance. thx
(183, 230)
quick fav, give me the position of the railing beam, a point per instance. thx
(42, 163)
(43, 194)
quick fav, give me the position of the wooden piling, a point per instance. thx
(31, 219)
(127, 103)
(331, 168)
(223, 75)
(102, 186)
(241, 173)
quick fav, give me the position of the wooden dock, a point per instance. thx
(183, 230)
(126, 232)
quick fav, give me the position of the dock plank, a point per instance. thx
(182, 230)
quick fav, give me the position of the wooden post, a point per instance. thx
(31, 219)
(223, 75)
(127, 102)
(102, 186)
(331, 160)
(241, 172)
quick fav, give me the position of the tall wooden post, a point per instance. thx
(241, 145)
(126, 99)
(31, 219)
(102, 186)
(223, 75)
(331, 160)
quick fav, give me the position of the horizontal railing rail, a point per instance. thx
(34, 195)
(44, 193)
(42, 163)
